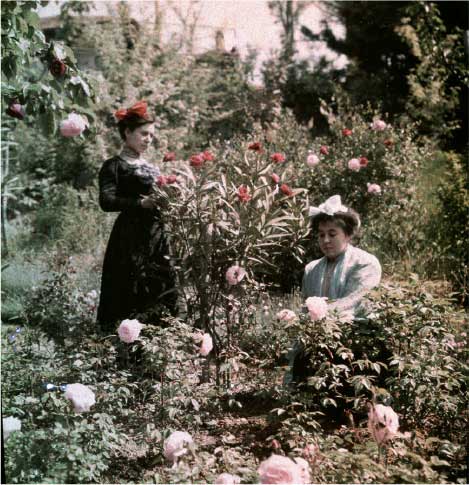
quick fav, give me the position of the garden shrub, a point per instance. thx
(59, 307)
(449, 226)
(18, 279)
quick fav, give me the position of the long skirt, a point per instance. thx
(137, 274)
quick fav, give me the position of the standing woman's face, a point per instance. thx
(140, 138)
(332, 239)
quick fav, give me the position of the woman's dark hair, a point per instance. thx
(132, 123)
(348, 221)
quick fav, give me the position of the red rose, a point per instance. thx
(346, 132)
(275, 178)
(161, 180)
(207, 156)
(388, 142)
(256, 147)
(324, 150)
(169, 157)
(171, 179)
(277, 157)
(57, 68)
(197, 160)
(286, 190)
(363, 161)
(243, 193)
(16, 110)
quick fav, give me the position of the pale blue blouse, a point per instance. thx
(355, 273)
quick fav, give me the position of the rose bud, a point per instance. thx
(16, 110)
(286, 190)
(169, 157)
(57, 68)
(256, 146)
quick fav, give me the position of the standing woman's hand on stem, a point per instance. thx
(158, 199)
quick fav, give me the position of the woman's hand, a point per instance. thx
(147, 202)
(158, 199)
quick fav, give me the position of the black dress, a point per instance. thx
(137, 275)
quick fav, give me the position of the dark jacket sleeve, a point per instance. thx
(109, 201)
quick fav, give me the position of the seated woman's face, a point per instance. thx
(332, 239)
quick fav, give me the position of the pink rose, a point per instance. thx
(286, 315)
(235, 274)
(275, 178)
(129, 330)
(303, 465)
(279, 469)
(176, 445)
(277, 157)
(73, 125)
(346, 132)
(206, 343)
(312, 160)
(317, 307)
(373, 188)
(383, 423)
(354, 164)
(171, 179)
(378, 125)
(324, 150)
(311, 452)
(16, 110)
(228, 479)
(82, 397)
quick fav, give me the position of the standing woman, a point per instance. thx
(137, 276)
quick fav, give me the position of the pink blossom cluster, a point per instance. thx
(286, 315)
(199, 159)
(82, 397)
(234, 274)
(312, 159)
(129, 330)
(281, 469)
(317, 307)
(383, 423)
(228, 479)
(206, 342)
(73, 125)
(176, 445)
(373, 188)
(378, 125)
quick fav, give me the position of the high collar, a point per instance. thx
(131, 156)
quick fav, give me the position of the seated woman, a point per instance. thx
(343, 275)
